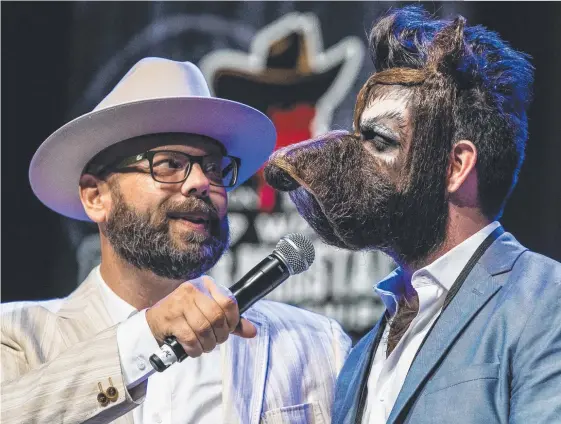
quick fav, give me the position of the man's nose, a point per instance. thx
(197, 183)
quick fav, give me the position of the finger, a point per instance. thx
(215, 315)
(201, 326)
(190, 312)
(186, 337)
(245, 329)
(200, 283)
(226, 300)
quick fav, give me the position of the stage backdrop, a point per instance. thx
(302, 64)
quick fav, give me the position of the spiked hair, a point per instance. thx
(465, 83)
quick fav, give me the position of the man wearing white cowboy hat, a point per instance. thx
(151, 165)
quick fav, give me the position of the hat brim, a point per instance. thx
(57, 165)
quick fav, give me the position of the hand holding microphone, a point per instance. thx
(198, 321)
(189, 322)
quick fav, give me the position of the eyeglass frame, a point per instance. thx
(122, 165)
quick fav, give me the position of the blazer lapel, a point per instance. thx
(84, 313)
(478, 288)
(354, 375)
(244, 369)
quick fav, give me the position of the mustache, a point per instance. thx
(191, 205)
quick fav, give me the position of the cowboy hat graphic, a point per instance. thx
(289, 77)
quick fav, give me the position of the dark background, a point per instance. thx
(44, 44)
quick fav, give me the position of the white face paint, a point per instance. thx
(384, 126)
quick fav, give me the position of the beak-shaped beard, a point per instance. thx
(348, 197)
(331, 181)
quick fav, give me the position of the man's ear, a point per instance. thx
(461, 169)
(95, 195)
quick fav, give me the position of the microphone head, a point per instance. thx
(296, 251)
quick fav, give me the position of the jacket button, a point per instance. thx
(111, 392)
(101, 396)
(102, 399)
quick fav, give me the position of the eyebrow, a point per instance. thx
(373, 124)
(214, 149)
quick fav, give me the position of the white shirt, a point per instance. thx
(432, 284)
(186, 393)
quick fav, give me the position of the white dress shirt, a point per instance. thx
(186, 393)
(432, 284)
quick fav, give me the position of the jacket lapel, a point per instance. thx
(353, 377)
(245, 364)
(478, 288)
(83, 315)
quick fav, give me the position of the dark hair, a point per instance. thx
(467, 83)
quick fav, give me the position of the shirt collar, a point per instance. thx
(446, 269)
(443, 271)
(119, 310)
(390, 289)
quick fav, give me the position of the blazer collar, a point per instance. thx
(502, 254)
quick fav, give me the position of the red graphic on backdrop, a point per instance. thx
(293, 125)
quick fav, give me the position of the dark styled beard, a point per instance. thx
(145, 240)
(352, 203)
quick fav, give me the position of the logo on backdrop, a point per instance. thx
(289, 77)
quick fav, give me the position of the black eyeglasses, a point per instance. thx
(171, 167)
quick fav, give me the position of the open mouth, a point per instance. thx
(196, 219)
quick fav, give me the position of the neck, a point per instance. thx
(463, 222)
(139, 288)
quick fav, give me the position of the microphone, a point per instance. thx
(293, 254)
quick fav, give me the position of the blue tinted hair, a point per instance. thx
(484, 82)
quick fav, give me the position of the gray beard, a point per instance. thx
(149, 246)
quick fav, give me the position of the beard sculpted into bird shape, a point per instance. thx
(383, 185)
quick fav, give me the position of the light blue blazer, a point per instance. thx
(494, 356)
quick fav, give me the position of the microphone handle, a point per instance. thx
(256, 284)
(262, 279)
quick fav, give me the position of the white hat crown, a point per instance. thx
(157, 78)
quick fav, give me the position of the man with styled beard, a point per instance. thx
(470, 333)
(151, 166)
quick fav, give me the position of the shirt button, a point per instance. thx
(157, 418)
(140, 363)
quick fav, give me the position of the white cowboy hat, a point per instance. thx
(155, 96)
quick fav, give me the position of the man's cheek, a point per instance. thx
(222, 210)
(388, 169)
(219, 202)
